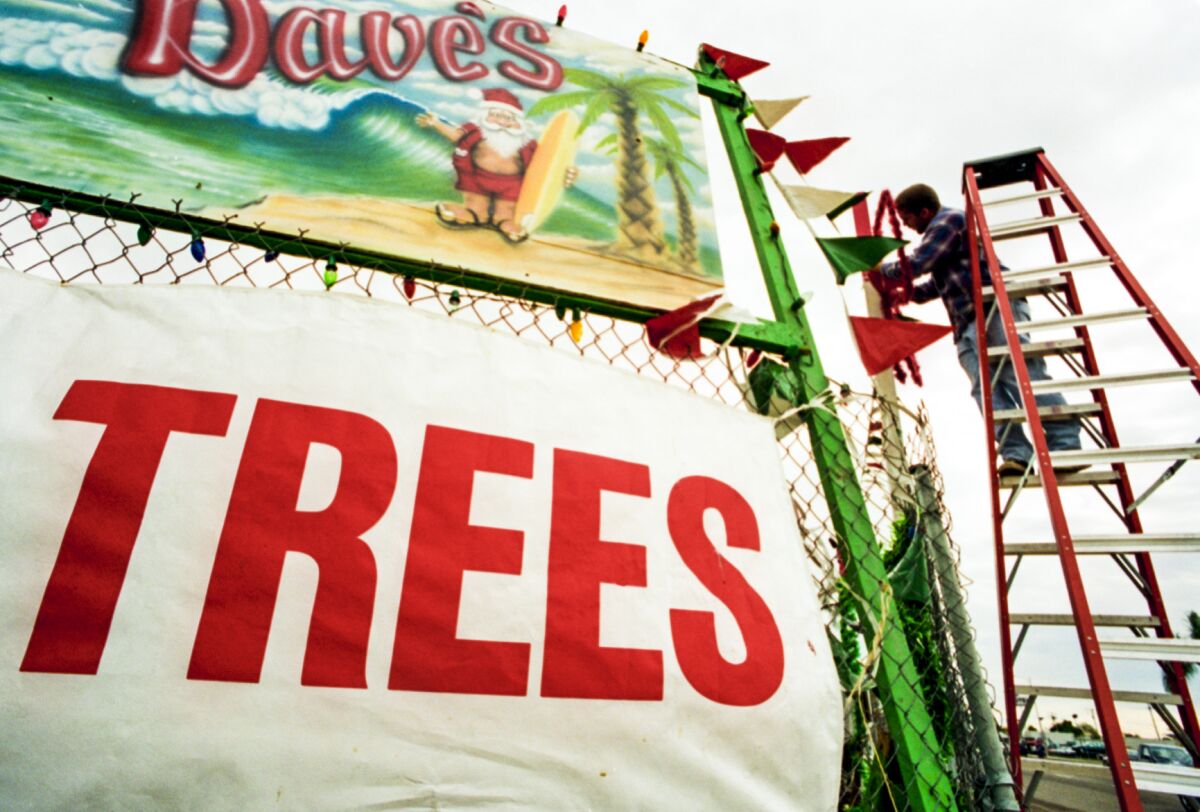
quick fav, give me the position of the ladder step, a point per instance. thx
(1065, 480)
(1139, 621)
(1040, 349)
(1030, 287)
(1107, 381)
(1173, 650)
(1111, 545)
(1083, 319)
(1039, 195)
(1140, 697)
(1061, 267)
(1171, 779)
(1024, 228)
(1107, 456)
(1067, 411)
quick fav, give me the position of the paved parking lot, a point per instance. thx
(1091, 793)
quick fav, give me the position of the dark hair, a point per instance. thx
(917, 198)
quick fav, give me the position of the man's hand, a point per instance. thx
(430, 121)
(570, 177)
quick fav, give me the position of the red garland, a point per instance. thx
(894, 292)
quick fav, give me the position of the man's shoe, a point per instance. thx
(1012, 468)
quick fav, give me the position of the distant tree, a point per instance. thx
(1189, 669)
(1065, 726)
(1087, 731)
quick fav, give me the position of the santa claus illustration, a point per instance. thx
(491, 156)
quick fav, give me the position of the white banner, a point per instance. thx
(314, 552)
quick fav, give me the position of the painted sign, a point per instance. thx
(252, 556)
(463, 134)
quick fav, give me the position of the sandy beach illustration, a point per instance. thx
(413, 230)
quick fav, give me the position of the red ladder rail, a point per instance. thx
(1033, 166)
(1044, 170)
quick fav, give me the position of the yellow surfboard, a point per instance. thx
(543, 184)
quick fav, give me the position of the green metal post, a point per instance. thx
(926, 783)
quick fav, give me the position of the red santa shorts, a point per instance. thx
(482, 182)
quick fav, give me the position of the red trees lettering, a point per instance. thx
(428, 655)
(77, 608)
(574, 663)
(756, 678)
(262, 525)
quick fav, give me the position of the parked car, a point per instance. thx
(1163, 754)
(1061, 750)
(1090, 749)
(1159, 753)
(1033, 746)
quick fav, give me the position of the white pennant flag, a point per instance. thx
(770, 112)
(808, 202)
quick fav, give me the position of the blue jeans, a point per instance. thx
(1061, 435)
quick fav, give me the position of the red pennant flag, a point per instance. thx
(883, 343)
(768, 147)
(677, 333)
(804, 155)
(735, 65)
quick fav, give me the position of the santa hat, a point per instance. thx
(501, 99)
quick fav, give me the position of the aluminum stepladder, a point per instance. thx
(1131, 549)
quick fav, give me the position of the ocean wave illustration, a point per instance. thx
(92, 53)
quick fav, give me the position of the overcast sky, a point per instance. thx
(1112, 92)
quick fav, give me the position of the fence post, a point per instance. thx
(926, 783)
(987, 737)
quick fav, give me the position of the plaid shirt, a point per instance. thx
(943, 254)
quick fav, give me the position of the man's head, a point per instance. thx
(916, 206)
(502, 120)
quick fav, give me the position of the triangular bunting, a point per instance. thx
(850, 255)
(677, 332)
(809, 203)
(883, 343)
(804, 155)
(770, 112)
(768, 147)
(735, 65)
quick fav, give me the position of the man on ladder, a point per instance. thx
(944, 255)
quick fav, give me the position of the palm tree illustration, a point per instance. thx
(670, 159)
(639, 224)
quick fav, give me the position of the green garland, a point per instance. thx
(908, 570)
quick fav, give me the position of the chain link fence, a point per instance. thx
(892, 449)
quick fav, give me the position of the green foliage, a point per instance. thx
(771, 379)
(603, 91)
(671, 158)
(917, 621)
(1189, 669)
(556, 102)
